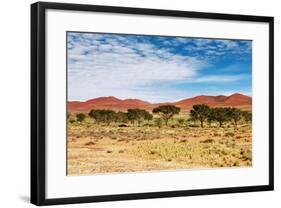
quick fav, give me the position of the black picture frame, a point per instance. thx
(38, 100)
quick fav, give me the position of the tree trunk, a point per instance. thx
(202, 125)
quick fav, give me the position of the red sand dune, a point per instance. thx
(113, 103)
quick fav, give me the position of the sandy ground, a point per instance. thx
(102, 149)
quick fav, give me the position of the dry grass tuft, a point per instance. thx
(101, 149)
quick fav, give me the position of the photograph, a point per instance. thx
(131, 103)
(138, 103)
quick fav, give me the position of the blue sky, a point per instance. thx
(156, 68)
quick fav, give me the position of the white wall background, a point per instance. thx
(15, 96)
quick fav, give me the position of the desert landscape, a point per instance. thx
(107, 134)
(139, 103)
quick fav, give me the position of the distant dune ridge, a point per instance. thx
(113, 103)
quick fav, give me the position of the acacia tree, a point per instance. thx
(146, 115)
(103, 116)
(166, 112)
(138, 115)
(121, 117)
(96, 115)
(200, 112)
(235, 115)
(211, 116)
(221, 115)
(247, 116)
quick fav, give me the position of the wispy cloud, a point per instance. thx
(130, 66)
(220, 79)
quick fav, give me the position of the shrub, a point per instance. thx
(181, 121)
(80, 117)
(71, 120)
(158, 122)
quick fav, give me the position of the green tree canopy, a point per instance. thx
(138, 115)
(221, 115)
(200, 112)
(211, 117)
(121, 117)
(103, 116)
(247, 116)
(235, 115)
(166, 112)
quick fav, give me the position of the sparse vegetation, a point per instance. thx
(138, 115)
(247, 116)
(103, 116)
(98, 142)
(166, 112)
(235, 115)
(80, 117)
(181, 121)
(200, 112)
(220, 115)
(158, 122)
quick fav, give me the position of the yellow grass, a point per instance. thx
(104, 149)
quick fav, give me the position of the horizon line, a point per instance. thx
(159, 102)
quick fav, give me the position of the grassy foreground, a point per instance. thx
(96, 148)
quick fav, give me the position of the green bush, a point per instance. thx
(158, 122)
(80, 117)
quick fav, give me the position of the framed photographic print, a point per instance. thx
(134, 103)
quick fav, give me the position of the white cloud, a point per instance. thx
(108, 68)
(125, 67)
(217, 47)
(220, 79)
